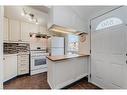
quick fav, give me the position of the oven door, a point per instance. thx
(38, 62)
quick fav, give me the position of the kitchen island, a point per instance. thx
(66, 69)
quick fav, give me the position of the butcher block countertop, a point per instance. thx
(64, 57)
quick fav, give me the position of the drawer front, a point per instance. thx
(26, 57)
(23, 66)
(23, 71)
(23, 58)
(23, 61)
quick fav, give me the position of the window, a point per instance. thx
(73, 44)
(109, 22)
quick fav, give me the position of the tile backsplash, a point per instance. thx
(12, 48)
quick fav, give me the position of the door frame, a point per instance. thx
(1, 45)
(90, 22)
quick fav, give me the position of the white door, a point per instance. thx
(108, 49)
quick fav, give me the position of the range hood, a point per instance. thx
(39, 35)
(60, 29)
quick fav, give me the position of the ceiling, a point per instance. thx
(41, 8)
(14, 12)
(88, 12)
(41, 12)
(85, 12)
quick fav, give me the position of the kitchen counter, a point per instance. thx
(63, 57)
(10, 54)
(66, 69)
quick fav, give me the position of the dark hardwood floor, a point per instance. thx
(39, 81)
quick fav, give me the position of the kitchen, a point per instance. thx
(46, 48)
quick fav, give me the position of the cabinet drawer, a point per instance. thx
(23, 65)
(24, 58)
(23, 61)
(23, 71)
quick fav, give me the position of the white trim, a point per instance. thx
(33, 72)
(67, 82)
(1, 46)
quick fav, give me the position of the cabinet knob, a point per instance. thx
(3, 58)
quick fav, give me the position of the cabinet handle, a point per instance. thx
(126, 61)
(19, 40)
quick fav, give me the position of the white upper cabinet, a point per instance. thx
(33, 28)
(17, 31)
(43, 30)
(14, 30)
(25, 31)
(6, 38)
(65, 17)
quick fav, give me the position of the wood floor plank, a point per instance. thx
(39, 81)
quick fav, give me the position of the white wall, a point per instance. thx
(1, 47)
(84, 47)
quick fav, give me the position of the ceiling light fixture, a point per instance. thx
(29, 16)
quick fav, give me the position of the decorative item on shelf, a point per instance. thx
(29, 16)
(82, 37)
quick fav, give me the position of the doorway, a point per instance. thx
(108, 35)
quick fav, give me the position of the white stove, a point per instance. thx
(38, 61)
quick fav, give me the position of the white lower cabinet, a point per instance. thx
(10, 66)
(81, 68)
(64, 72)
(23, 64)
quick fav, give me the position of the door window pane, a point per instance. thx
(113, 21)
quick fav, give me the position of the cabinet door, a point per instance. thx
(25, 30)
(5, 29)
(64, 72)
(81, 67)
(14, 29)
(10, 67)
(33, 28)
(43, 30)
